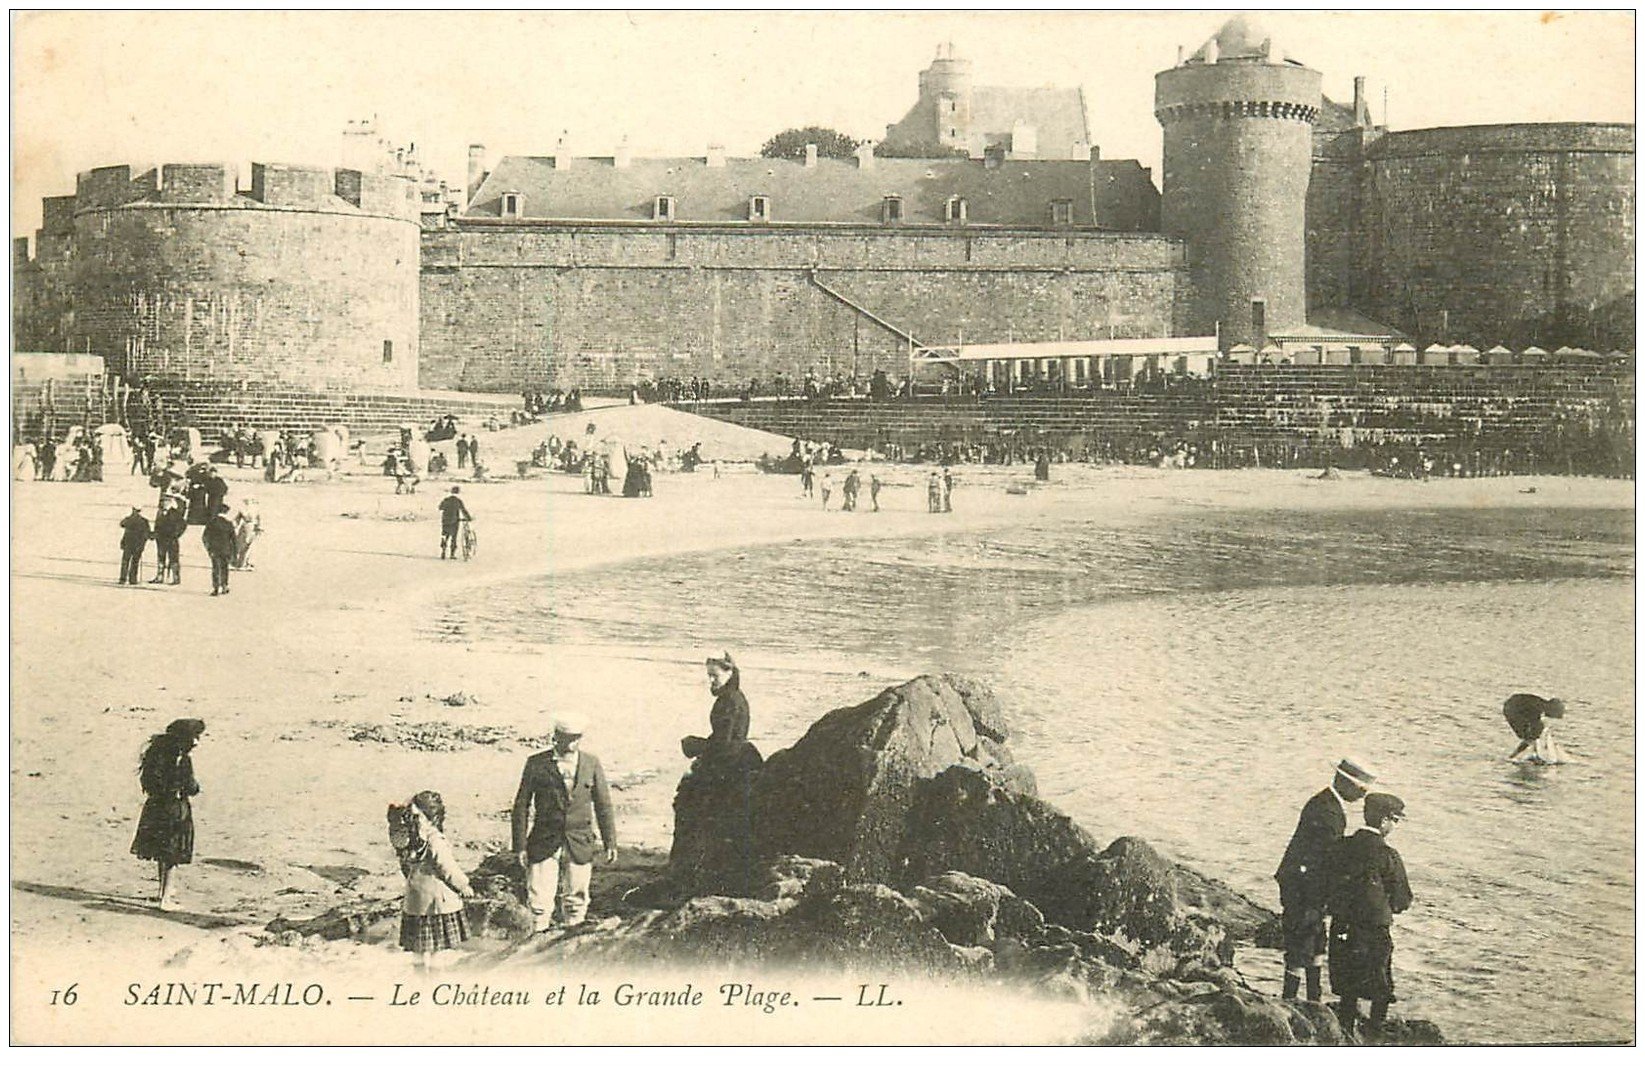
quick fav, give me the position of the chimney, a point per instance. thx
(476, 171)
(810, 156)
(1362, 111)
(865, 155)
(562, 154)
(622, 157)
(716, 155)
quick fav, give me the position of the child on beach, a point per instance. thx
(165, 829)
(432, 918)
(1371, 888)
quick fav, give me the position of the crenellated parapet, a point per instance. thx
(1230, 109)
(284, 186)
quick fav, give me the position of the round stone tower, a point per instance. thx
(1238, 118)
(308, 279)
(945, 94)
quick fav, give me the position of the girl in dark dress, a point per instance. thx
(165, 830)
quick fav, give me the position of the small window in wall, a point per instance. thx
(955, 211)
(512, 202)
(663, 209)
(759, 209)
(388, 352)
(953, 132)
(891, 210)
(1062, 212)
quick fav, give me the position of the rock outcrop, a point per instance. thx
(920, 780)
(845, 790)
(902, 834)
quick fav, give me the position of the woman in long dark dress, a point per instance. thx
(713, 823)
(165, 830)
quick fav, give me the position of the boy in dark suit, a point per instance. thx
(1371, 888)
(567, 790)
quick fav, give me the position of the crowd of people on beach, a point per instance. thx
(190, 494)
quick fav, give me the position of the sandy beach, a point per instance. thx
(325, 699)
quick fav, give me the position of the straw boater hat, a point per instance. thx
(570, 724)
(1356, 771)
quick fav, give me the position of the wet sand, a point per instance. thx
(324, 703)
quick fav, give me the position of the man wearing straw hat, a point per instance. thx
(1305, 874)
(568, 790)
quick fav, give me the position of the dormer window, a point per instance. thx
(663, 209)
(954, 211)
(891, 210)
(759, 209)
(1062, 212)
(513, 202)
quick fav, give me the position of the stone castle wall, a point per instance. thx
(1510, 235)
(309, 278)
(509, 306)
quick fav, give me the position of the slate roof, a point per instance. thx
(1107, 194)
(1057, 115)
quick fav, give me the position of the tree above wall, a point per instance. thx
(790, 144)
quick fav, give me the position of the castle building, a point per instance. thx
(1280, 217)
(952, 115)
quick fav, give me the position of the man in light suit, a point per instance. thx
(567, 789)
(1306, 874)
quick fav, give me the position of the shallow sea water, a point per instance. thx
(1190, 682)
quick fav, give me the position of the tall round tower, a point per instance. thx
(1238, 120)
(945, 95)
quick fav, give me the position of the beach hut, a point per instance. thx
(1309, 356)
(1404, 355)
(1464, 355)
(1436, 355)
(1242, 355)
(1271, 353)
(1497, 355)
(1533, 355)
(1568, 354)
(1338, 355)
(111, 438)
